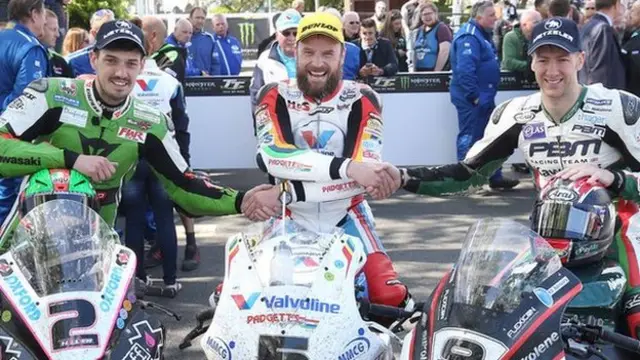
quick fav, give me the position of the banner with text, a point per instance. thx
(401, 83)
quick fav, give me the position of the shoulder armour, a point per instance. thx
(40, 85)
(264, 90)
(368, 92)
(630, 107)
(497, 112)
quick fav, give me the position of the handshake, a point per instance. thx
(379, 180)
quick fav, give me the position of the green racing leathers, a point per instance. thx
(55, 120)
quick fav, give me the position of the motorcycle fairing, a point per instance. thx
(330, 328)
(143, 338)
(85, 318)
(463, 332)
(14, 349)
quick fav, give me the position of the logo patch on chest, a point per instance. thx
(133, 135)
(534, 131)
(76, 117)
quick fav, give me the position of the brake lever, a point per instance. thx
(148, 304)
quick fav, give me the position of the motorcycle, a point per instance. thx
(290, 294)
(67, 290)
(506, 298)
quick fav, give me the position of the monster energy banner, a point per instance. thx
(439, 82)
(250, 33)
(402, 83)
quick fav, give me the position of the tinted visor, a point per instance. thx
(32, 201)
(562, 220)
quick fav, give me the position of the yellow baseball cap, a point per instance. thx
(320, 24)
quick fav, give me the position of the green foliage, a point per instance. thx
(242, 6)
(80, 11)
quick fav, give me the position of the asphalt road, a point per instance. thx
(422, 235)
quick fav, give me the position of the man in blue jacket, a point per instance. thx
(229, 51)
(203, 45)
(181, 38)
(79, 60)
(23, 59)
(474, 81)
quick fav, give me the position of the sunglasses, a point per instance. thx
(590, 8)
(104, 12)
(288, 33)
(354, 22)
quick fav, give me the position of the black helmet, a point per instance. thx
(576, 218)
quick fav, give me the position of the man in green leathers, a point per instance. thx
(97, 128)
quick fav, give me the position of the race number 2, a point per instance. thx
(73, 317)
(283, 348)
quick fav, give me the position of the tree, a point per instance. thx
(252, 6)
(80, 11)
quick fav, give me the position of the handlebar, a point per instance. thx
(396, 313)
(589, 333)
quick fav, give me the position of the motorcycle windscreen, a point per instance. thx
(499, 261)
(63, 246)
(287, 254)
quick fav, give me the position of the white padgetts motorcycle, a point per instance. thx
(290, 294)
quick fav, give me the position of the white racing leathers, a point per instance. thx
(309, 144)
(601, 129)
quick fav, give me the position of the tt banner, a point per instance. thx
(250, 32)
(217, 86)
(402, 83)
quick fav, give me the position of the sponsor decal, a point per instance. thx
(247, 33)
(147, 85)
(137, 352)
(245, 303)
(97, 146)
(290, 165)
(543, 295)
(21, 161)
(152, 336)
(370, 155)
(321, 110)
(348, 93)
(143, 125)
(524, 116)
(562, 195)
(534, 131)
(131, 134)
(593, 119)
(372, 144)
(589, 129)
(319, 25)
(109, 293)
(303, 106)
(541, 348)
(221, 347)
(73, 116)
(565, 148)
(65, 100)
(632, 302)
(289, 302)
(24, 300)
(558, 285)
(280, 318)
(356, 348)
(5, 268)
(340, 187)
(524, 319)
(17, 105)
(443, 304)
(598, 102)
(69, 88)
(319, 142)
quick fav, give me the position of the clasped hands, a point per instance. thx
(379, 180)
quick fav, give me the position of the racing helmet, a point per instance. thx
(57, 184)
(576, 218)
